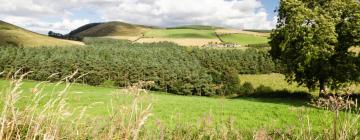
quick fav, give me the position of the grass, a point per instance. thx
(12, 35)
(275, 81)
(86, 112)
(248, 113)
(243, 39)
(180, 33)
(197, 27)
(278, 82)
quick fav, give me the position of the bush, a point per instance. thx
(247, 88)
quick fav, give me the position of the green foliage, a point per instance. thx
(173, 68)
(312, 39)
(247, 88)
(249, 61)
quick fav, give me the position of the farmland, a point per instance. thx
(180, 81)
(181, 33)
(243, 39)
(192, 35)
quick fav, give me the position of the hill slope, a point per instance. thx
(196, 27)
(13, 35)
(110, 29)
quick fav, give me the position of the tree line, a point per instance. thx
(174, 69)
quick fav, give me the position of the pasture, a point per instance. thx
(180, 33)
(243, 39)
(248, 114)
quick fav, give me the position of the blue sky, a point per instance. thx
(270, 6)
(65, 15)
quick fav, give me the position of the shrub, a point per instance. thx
(247, 88)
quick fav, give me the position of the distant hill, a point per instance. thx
(14, 35)
(197, 27)
(113, 28)
(258, 31)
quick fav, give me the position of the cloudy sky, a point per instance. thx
(65, 15)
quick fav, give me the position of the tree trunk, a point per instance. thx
(323, 88)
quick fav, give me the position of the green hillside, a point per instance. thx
(181, 33)
(110, 29)
(13, 35)
(197, 27)
(243, 39)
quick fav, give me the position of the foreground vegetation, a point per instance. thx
(55, 111)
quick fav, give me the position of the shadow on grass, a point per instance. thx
(286, 97)
(268, 95)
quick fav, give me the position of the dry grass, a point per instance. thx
(114, 29)
(55, 120)
(355, 49)
(180, 41)
(10, 34)
(131, 38)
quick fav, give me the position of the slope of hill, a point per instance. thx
(180, 33)
(13, 35)
(189, 35)
(110, 29)
(196, 27)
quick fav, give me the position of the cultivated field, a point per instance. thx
(243, 39)
(180, 33)
(181, 41)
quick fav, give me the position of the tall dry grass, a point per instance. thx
(55, 120)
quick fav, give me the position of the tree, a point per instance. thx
(312, 39)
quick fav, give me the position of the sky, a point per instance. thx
(65, 15)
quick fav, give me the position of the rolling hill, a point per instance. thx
(188, 35)
(113, 28)
(13, 35)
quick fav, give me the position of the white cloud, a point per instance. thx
(230, 13)
(235, 13)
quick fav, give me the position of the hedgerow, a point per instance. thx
(174, 69)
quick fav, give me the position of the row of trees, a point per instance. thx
(173, 68)
(61, 36)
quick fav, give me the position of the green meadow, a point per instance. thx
(243, 39)
(181, 33)
(247, 113)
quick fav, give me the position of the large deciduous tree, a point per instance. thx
(312, 39)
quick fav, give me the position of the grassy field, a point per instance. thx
(278, 82)
(180, 33)
(275, 81)
(248, 113)
(10, 34)
(243, 39)
(197, 27)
